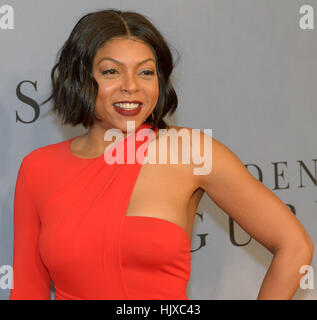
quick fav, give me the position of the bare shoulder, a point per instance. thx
(195, 140)
(211, 160)
(225, 164)
(172, 142)
(176, 132)
(202, 139)
(190, 146)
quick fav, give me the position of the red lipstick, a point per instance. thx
(126, 111)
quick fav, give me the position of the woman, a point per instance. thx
(123, 231)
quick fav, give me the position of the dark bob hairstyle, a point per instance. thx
(74, 89)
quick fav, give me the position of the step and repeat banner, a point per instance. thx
(246, 69)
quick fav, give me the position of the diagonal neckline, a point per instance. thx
(143, 126)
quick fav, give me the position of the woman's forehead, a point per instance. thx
(121, 48)
(119, 41)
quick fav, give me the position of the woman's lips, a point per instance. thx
(126, 112)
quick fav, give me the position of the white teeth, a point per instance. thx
(129, 106)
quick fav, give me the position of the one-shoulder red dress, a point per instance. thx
(70, 227)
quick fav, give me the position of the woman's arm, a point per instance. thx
(31, 280)
(263, 216)
(282, 278)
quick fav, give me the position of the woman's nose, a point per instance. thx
(129, 83)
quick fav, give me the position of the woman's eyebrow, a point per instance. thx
(121, 63)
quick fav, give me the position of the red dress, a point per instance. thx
(70, 228)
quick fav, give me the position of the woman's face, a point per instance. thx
(125, 71)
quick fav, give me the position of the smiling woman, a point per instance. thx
(128, 84)
(84, 215)
(98, 52)
(121, 231)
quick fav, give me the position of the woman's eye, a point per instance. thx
(109, 71)
(148, 72)
(113, 71)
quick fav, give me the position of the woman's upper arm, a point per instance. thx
(251, 204)
(31, 280)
